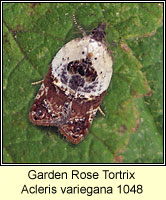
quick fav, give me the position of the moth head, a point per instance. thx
(98, 33)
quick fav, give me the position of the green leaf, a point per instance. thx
(148, 146)
(132, 129)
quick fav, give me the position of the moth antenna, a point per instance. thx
(78, 26)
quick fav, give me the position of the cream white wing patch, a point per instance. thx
(91, 57)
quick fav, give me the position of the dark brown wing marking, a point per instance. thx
(51, 106)
(82, 114)
(73, 116)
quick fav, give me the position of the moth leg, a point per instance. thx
(100, 110)
(78, 26)
(37, 82)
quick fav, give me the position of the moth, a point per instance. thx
(75, 85)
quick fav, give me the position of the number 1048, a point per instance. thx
(126, 189)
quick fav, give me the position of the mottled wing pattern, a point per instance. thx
(75, 84)
(51, 106)
(73, 116)
(82, 114)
